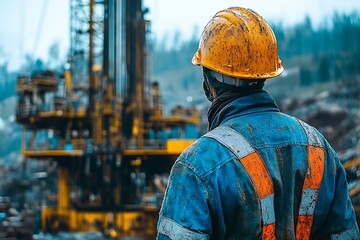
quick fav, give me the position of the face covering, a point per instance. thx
(225, 98)
(207, 91)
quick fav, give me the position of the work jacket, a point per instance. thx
(258, 174)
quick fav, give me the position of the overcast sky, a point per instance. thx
(23, 28)
(167, 15)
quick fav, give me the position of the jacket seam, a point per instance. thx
(203, 176)
(219, 166)
(199, 178)
(283, 144)
(248, 112)
(233, 157)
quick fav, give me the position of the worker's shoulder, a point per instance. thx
(205, 156)
(312, 131)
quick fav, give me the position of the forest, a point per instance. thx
(326, 52)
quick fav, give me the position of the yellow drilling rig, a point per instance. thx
(102, 124)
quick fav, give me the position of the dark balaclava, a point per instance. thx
(226, 93)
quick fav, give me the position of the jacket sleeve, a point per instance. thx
(341, 220)
(184, 213)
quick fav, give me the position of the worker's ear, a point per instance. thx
(207, 91)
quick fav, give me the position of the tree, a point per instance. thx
(29, 63)
(324, 70)
(54, 55)
(305, 76)
(3, 67)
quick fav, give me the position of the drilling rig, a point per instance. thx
(102, 124)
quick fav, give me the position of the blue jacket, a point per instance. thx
(210, 195)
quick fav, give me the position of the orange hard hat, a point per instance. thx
(239, 43)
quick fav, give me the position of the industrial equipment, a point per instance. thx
(102, 123)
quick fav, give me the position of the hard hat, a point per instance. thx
(239, 43)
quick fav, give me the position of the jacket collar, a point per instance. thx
(257, 102)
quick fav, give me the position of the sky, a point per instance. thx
(31, 26)
(167, 15)
(24, 29)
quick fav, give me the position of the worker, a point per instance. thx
(258, 173)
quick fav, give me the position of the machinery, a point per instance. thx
(102, 124)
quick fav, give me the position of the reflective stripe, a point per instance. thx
(315, 169)
(267, 209)
(175, 231)
(303, 227)
(258, 174)
(231, 139)
(308, 201)
(313, 138)
(268, 232)
(312, 183)
(350, 234)
(260, 177)
(257, 171)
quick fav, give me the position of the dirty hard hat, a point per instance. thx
(239, 43)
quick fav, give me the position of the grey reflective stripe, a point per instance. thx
(231, 139)
(175, 231)
(267, 209)
(350, 234)
(313, 138)
(308, 201)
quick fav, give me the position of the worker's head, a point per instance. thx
(237, 49)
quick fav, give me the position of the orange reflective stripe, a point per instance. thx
(269, 232)
(303, 227)
(311, 187)
(315, 171)
(259, 175)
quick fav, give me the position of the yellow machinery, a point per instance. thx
(349, 165)
(102, 123)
